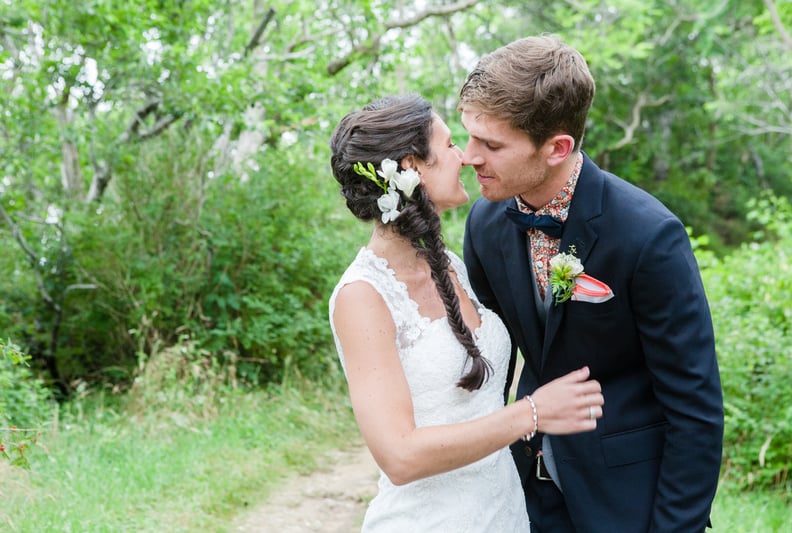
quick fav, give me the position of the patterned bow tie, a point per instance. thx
(551, 226)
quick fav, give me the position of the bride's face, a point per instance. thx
(440, 175)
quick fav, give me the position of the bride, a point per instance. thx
(426, 363)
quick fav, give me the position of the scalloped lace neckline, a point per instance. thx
(425, 321)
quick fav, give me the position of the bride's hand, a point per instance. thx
(569, 404)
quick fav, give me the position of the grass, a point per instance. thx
(751, 512)
(109, 467)
(107, 471)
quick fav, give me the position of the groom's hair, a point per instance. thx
(538, 84)
(395, 127)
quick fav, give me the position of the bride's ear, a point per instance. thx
(409, 161)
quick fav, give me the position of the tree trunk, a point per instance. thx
(71, 173)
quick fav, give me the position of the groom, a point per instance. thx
(637, 315)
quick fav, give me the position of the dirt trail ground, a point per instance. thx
(330, 500)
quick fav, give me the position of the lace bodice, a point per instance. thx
(481, 497)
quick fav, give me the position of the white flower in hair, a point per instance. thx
(406, 181)
(389, 167)
(392, 182)
(388, 204)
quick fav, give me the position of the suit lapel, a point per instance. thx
(518, 271)
(578, 234)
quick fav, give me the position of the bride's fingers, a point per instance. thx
(576, 376)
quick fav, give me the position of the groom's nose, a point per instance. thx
(470, 157)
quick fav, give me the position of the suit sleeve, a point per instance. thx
(675, 328)
(481, 286)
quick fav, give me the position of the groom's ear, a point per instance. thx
(558, 148)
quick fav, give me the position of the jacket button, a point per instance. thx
(529, 451)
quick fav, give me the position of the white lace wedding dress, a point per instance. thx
(484, 496)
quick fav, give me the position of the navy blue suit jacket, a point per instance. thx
(653, 462)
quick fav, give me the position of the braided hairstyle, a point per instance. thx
(395, 127)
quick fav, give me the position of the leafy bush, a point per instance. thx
(750, 292)
(241, 267)
(24, 405)
(182, 380)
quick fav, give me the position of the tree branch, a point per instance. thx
(437, 11)
(779, 25)
(160, 126)
(31, 255)
(103, 172)
(629, 129)
(337, 65)
(372, 46)
(80, 287)
(256, 38)
(137, 119)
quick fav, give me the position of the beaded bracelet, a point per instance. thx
(532, 434)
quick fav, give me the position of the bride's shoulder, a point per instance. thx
(456, 263)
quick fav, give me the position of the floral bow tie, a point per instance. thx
(551, 226)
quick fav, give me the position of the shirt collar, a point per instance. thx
(558, 207)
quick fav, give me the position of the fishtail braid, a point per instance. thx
(421, 224)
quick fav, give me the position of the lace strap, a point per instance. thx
(374, 270)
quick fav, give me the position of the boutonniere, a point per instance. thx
(569, 282)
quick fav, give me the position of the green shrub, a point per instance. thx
(241, 267)
(24, 405)
(750, 292)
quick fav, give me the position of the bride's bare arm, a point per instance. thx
(383, 408)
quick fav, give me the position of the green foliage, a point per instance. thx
(240, 266)
(275, 259)
(111, 468)
(181, 378)
(757, 511)
(24, 405)
(235, 247)
(750, 293)
(189, 469)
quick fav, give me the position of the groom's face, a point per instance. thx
(506, 161)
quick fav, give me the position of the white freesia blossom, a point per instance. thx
(388, 203)
(568, 264)
(389, 167)
(406, 181)
(392, 182)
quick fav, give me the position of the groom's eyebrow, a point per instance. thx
(477, 137)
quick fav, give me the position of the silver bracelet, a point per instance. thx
(532, 434)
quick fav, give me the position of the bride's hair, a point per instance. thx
(392, 128)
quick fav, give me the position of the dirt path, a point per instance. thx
(330, 500)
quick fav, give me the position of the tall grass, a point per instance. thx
(106, 469)
(105, 466)
(761, 511)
